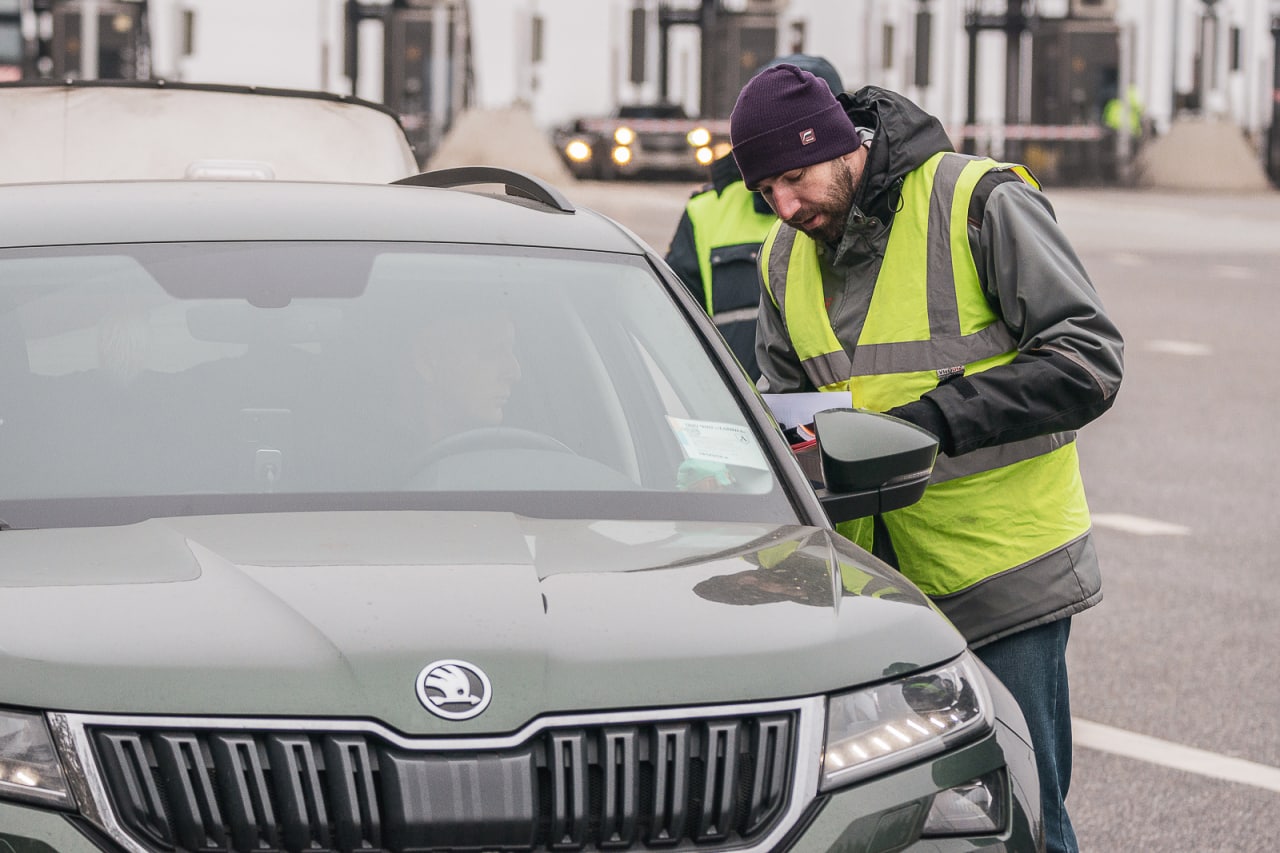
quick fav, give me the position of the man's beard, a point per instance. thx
(835, 207)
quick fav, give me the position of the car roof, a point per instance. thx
(158, 129)
(531, 213)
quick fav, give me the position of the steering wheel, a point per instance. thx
(481, 439)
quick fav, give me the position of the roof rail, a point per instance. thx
(516, 183)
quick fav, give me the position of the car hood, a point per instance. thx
(337, 614)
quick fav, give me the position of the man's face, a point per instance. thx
(816, 199)
(470, 368)
(487, 371)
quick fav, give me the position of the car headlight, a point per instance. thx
(578, 151)
(624, 136)
(622, 155)
(877, 728)
(699, 137)
(29, 767)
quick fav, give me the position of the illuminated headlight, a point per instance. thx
(704, 156)
(29, 768)
(975, 808)
(699, 137)
(622, 155)
(720, 149)
(578, 151)
(624, 136)
(873, 730)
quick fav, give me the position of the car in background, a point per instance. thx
(83, 130)
(642, 140)
(436, 516)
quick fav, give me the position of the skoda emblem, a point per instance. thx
(454, 689)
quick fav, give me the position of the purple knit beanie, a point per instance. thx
(787, 118)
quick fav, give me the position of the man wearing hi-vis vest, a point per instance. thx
(939, 288)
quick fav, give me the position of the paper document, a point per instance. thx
(792, 410)
(712, 441)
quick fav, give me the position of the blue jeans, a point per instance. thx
(1033, 665)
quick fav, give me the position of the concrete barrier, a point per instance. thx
(507, 138)
(1201, 154)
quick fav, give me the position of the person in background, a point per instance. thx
(1114, 113)
(939, 288)
(717, 240)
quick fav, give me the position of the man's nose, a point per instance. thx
(785, 202)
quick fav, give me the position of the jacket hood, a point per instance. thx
(724, 172)
(337, 615)
(905, 137)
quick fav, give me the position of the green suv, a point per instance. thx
(436, 516)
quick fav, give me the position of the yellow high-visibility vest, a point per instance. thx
(986, 512)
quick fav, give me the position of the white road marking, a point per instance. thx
(1179, 347)
(1168, 754)
(1127, 259)
(1138, 525)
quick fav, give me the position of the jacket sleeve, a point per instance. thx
(682, 257)
(1070, 354)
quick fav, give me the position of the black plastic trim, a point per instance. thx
(516, 183)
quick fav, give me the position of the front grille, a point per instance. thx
(665, 142)
(710, 784)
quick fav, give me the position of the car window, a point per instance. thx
(267, 376)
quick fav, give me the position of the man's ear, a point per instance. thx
(855, 159)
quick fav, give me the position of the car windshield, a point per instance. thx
(652, 111)
(169, 379)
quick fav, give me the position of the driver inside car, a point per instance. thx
(465, 370)
(466, 361)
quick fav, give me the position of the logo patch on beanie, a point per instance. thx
(808, 137)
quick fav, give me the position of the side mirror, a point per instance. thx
(870, 462)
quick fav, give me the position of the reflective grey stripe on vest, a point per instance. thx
(779, 262)
(823, 370)
(1027, 595)
(944, 313)
(830, 369)
(915, 356)
(737, 315)
(989, 458)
